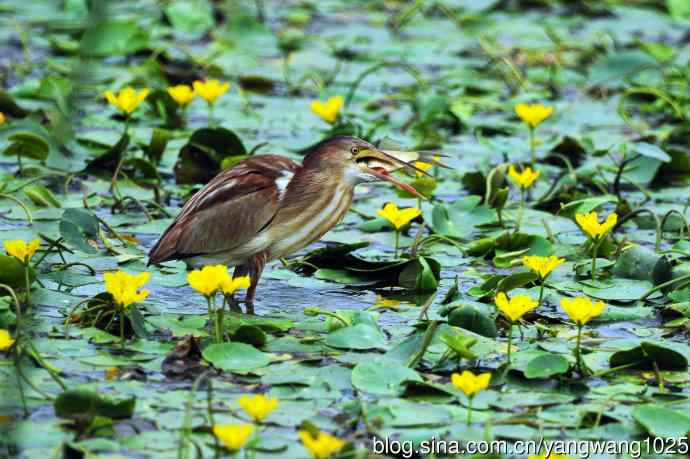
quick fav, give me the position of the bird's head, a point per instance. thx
(357, 161)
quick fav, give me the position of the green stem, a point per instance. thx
(541, 293)
(52, 371)
(683, 278)
(426, 341)
(122, 328)
(532, 146)
(27, 284)
(578, 353)
(510, 339)
(214, 317)
(211, 122)
(469, 410)
(397, 242)
(595, 249)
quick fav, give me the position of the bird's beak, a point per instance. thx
(380, 165)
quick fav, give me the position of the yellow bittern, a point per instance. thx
(268, 206)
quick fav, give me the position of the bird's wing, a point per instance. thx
(228, 212)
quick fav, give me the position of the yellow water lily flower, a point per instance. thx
(124, 287)
(523, 179)
(127, 100)
(533, 114)
(422, 166)
(209, 279)
(515, 307)
(230, 285)
(591, 226)
(323, 445)
(328, 111)
(210, 90)
(183, 94)
(6, 340)
(398, 217)
(582, 309)
(2, 118)
(258, 406)
(233, 436)
(21, 250)
(542, 266)
(470, 383)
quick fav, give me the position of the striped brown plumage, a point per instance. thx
(269, 206)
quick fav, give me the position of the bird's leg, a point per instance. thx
(255, 268)
(240, 270)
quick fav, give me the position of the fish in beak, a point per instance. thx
(380, 165)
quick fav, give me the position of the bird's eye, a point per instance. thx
(354, 150)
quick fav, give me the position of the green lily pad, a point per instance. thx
(235, 357)
(546, 365)
(382, 377)
(662, 422)
(359, 336)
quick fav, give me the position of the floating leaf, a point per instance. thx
(79, 227)
(470, 318)
(86, 403)
(382, 377)
(114, 38)
(546, 365)
(235, 357)
(647, 354)
(27, 145)
(359, 336)
(662, 422)
(200, 159)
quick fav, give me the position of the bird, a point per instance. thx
(268, 206)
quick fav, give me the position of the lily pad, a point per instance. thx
(235, 357)
(382, 377)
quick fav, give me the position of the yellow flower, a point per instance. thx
(258, 406)
(516, 307)
(123, 287)
(590, 224)
(6, 340)
(422, 166)
(321, 446)
(398, 217)
(209, 279)
(233, 436)
(533, 114)
(470, 383)
(581, 309)
(386, 303)
(210, 90)
(127, 100)
(542, 266)
(523, 179)
(328, 111)
(182, 94)
(21, 250)
(229, 285)
(2, 118)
